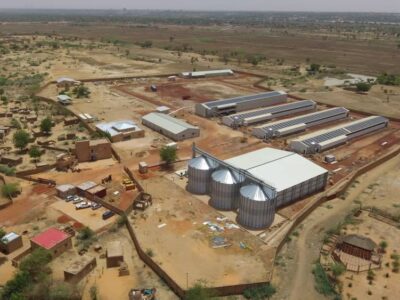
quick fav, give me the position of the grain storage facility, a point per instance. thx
(256, 210)
(329, 138)
(268, 169)
(265, 114)
(225, 186)
(298, 124)
(200, 170)
(175, 129)
(238, 104)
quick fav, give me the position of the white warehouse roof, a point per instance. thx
(277, 168)
(116, 127)
(207, 73)
(168, 122)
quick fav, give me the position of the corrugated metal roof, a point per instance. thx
(9, 237)
(277, 168)
(205, 73)
(86, 185)
(253, 192)
(168, 122)
(225, 176)
(50, 238)
(114, 127)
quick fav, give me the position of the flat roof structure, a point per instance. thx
(63, 98)
(173, 128)
(114, 249)
(116, 127)
(259, 115)
(65, 187)
(241, 103)
(298, 124)
(96, 189)
(277, 168)
(329, 138)
(49, 238)
(87, 185)
(77, 266)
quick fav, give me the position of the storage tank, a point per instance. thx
(256, 210)
(199, 172)
(225, 186)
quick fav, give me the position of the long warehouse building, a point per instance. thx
(238, 104)
(171, 127)
(298, 124)
(255, 183)
(326, 139)
(265, 114)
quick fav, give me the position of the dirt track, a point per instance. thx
(296, 278)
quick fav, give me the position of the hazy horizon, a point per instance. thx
(215, 5)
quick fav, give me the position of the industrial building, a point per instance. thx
(171, 127)
(265, 114)
(205, 74)
(255, 183)
(238, 104)
(122, 130)
(298, 124)
(329, 138)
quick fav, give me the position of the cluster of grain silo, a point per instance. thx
(199, 171)
(225, 186)
(256, 210)
(255, 184)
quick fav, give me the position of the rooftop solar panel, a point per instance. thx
(273, 110)
(306, 119)
(241, 99)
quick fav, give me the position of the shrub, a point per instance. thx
(10, 189)
(322, 283)
(262, 292)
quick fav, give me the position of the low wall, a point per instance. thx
(38, 170)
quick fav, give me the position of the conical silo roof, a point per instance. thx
(253, 192)
(199, 163)
(224, 176)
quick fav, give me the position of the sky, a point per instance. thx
(252, 5)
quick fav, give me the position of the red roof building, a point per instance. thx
(54, 240)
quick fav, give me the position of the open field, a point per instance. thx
(293, 46)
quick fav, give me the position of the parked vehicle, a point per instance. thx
(69, 198)
(83, 205)
(108, 214)
(96, 205)
(77, 200)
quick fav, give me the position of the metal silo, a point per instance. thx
(256, 210)
(225, 186)
(199, 172)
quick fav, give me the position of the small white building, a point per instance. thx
(175, 129)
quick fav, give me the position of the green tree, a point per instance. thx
(35, 153)
(10, 189)
(168, 154)
(15, 123)
(45, 125)
(260, 293)
(2, 233)
(81, 91)
(199, 292)
(1, 92)
(363, 86)
(314, 68)
(36, 264)
(21, 139)
(383, 245)
(337, 269)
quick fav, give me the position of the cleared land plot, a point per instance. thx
(182, 245)
(87, 217)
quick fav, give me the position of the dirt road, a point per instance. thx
(294, 279)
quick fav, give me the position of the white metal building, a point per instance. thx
(238, 104)
(203, 74)
(298, 124)
(291, 175)
(329, 138)
(247, 118)
(173, 128)
(284, 176)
